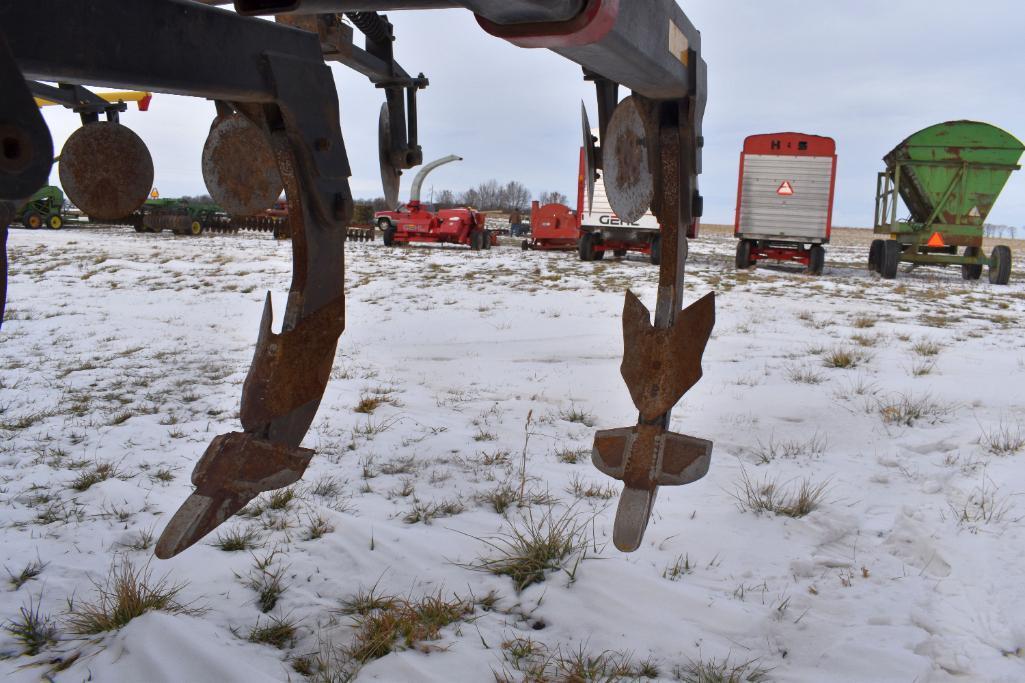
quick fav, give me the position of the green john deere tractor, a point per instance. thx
(44, 209)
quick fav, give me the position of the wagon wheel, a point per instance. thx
(743, 260)
(816, 259)
(889, 259)
(971, 271)
(874, 255)
(1000, 265)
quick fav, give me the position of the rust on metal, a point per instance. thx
(106, 170)
(661, 361)
(239, 167)
(292, 368)
(628, 157)
(646, 456)
(661, 364)
(235, 468)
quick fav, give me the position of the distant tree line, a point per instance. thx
(995, 230)
(487, 196)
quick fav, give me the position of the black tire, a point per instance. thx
(889, 259)
(384, 224)
(656, 250)
(743, 260)
(971, 271)
(486, 239)
(619, 253)
(389, 236)
(32, 220)
(585, 248)
(476, 243)
(525, 245)
(816, 259)
(599, 254)
(1000, 265)
(874, 253)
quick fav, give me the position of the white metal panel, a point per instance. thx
(602, 215)
(800, 216)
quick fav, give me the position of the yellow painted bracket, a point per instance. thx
(142, 98)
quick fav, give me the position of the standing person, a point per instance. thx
(516, 227)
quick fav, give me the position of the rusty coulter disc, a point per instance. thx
(390, 176)
(106, 170)
(239, 168)
(629, 151)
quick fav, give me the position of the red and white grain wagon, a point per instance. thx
(785, 199)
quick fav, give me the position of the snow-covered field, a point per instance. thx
(124, 355)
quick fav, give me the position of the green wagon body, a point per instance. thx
(949, 176)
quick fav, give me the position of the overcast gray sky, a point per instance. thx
(866, 72)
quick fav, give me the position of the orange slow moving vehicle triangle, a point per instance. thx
(936, 241)
(786, 189)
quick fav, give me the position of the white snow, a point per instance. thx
(131, 349)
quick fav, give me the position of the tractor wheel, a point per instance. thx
(619, 253)
(889, 259)
(525, 245)
(1000, 265)
(971, 271)
(389, 235)
(476, 241)
(32, 220)
(586, 246)
(873, 255)
(55, 222)
(656, 250)
(486, 239)
(816, 259)
(195, 228)
(384, 224)
(743, 260)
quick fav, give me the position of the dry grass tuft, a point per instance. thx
(793, 499)
(128, 592)
(535, 546)
(33, 629)
(714, 671)
(906, 409)
(844, 358)
(533, 661)
(1004, 439)
(386, 624)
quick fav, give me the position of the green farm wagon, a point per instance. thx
(948, 176)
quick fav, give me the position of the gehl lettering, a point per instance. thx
(612, 220)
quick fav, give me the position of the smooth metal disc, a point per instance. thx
(106, 170)
(239, 168)
(629, 152)
(589, 158)
(390, 176)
